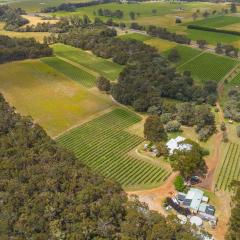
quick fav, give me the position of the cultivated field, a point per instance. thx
(73, 72)
(230, 168)
(53, 100)
(103, 144)
(207, 66)
(104, 67)
(186, 53)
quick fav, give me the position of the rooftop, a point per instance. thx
(176, 144)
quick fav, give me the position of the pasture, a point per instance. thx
(53, 100)
(73, 72)
(212, 37)
(160, 44)
(230, 168)
(164, 15)
(103, 144)
(37, 35)
(104, 67)
(217, 22)
(207, 66)
(235, 80)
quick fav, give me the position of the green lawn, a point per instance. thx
(209, 66)
(53, 100)
(217, 22)
(75, 73)
(106, 151)
(102, 66)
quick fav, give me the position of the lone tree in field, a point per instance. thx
(154, 129)
(233, 8)
(132, 15)
(103, 84)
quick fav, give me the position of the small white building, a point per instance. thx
(177, 144)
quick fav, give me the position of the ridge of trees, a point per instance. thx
(147, 76)
(12, 17)
(71, 7)
(12, 49)
(46, 193)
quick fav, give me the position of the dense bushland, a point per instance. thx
(12, 49)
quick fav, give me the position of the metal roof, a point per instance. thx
(176, 144)
(196, 196)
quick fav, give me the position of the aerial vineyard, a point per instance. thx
(230, 169)
(75, 73)
(103, 144)
(99, 65)
(209, 66)
(186, 53)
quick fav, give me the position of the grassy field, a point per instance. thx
(135, 36)
(217, 22)
(106, 151)
(160, 44)
(104, 67)
(207, 66)
(75, 73)
(165, 15)
(212, 37)
(53, 100)
(230, 168)
(37, 35)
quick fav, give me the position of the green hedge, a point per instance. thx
(209, 29)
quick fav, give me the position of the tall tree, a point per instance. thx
(154, 129)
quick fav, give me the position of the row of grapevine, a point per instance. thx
(230, 169)
(103, 144)
(75, 73)
(209, 66)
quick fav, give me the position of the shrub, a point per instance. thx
(173, 126)
(179, 184)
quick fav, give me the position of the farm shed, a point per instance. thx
(193, 199)
(177, 144)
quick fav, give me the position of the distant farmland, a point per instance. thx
(230, 168)
(103, 144)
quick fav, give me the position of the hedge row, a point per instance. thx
(209, 29)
